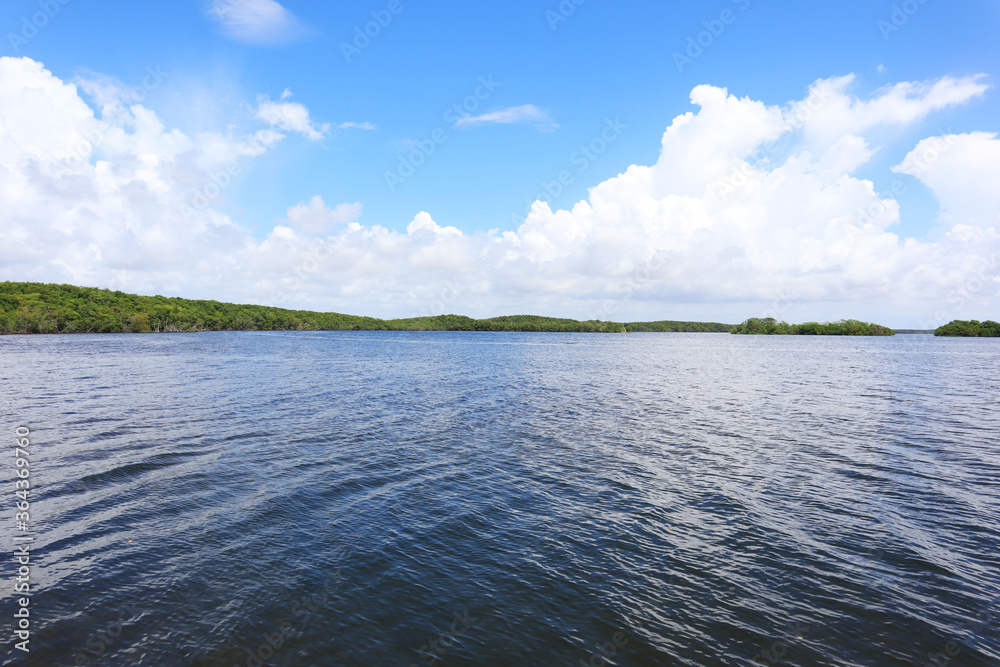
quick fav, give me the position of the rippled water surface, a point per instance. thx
(392, 498)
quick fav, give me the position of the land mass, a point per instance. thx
(37, 308)
(40, 308)
(970, 329)
(768, 326)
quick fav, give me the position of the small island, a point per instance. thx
(768, 326)
(970, 329)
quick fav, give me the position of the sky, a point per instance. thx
(624, 161)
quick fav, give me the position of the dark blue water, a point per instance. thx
(507, 499)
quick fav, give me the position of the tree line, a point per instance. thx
(768, 326)
(668, 326)
(970, 329)
(37, 308)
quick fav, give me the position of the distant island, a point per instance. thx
(970, 329)
(37, 308)
(40, 308)
(768, 326)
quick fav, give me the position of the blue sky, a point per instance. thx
(565, 75)
(605, 60)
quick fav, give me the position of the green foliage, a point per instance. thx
(139, 323)
(690, 327)
(40, 308)
(769, 326)
(506, 323)
(970, 329)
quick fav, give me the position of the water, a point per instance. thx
(394, 498)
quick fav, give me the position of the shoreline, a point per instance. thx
(28, 308)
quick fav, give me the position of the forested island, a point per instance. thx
(970, 329)
(768, 326)
(668, 326)
(37, 308)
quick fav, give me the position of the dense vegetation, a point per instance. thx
(668, 326)
(27, 308)
(970, 329)
(507, 323)
(770, 326)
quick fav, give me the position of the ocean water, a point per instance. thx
(398, 498)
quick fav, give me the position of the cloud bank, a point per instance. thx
(750, 209)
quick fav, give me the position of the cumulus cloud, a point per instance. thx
(316, 218)
(356, 126)
(424, 223)
(526, 113)
(899, 104)
(255, 21)
(290, 116)
(750, 208)
(963, 171)
(89, 199)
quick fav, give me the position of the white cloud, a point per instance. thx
(903, 103)
(526, 113)
(356, 126)
(290, 116)
(89, 198)
(316, 218)
(424, 223)
(255, 21)
(963, 171)
(792, 224)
